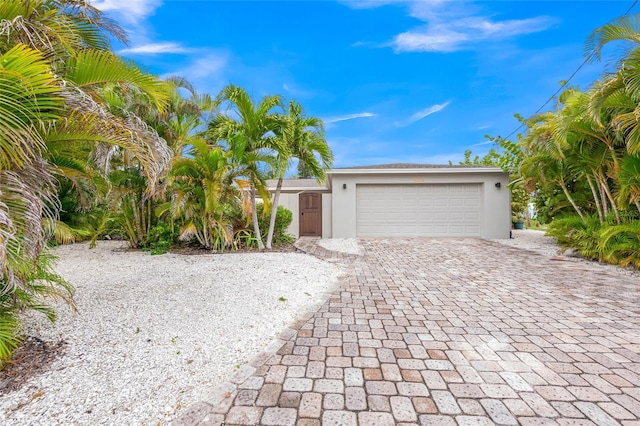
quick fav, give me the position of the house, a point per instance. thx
(401, 200)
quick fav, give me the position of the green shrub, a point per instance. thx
(610, 242)
(39, 285)
(160, 238)
(620, 244)
(284, 217)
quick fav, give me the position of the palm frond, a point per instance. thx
(624, 28)
(91, 68)
(28, 98)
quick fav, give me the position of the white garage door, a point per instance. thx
(451, 210)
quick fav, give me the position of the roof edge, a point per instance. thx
(415, 170)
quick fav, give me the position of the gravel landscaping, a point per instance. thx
(533, 240)
(155, 334)
(538, 242)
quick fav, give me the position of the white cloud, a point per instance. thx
(464, 33)
(209, 65)
(155, 48)
(422, 114)
(348, 117)
(452, 26)
(208, 71)
(131, 11)
(481, 144)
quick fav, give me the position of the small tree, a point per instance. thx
(509, 159)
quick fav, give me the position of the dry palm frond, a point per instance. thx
(27, 196)
(90, 121)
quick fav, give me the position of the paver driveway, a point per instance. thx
(466, 332)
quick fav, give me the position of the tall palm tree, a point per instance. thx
(248, 130)
(54, 72)
(202, 194)
(618, 95)
(303, 138)
(56, 28)
(29, 99)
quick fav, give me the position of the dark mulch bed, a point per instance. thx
(33, 358)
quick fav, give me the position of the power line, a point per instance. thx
(586, 60)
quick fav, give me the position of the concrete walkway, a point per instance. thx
(446, 332)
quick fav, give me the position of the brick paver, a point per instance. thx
(455, 331)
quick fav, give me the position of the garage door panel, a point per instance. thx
(418, 210)
(472, 217)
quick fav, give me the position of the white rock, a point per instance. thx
(140, 317)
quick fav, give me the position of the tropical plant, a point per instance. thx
(582, 157)
(247, 130)
(203, 193)
(29, 98)
(284, 217)
(56, 74)
(301, 138)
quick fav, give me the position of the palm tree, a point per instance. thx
(29, 98)
(55, 72)
(303, 138)
(203, 193)
(619, 93)
(248, 129)
(56, 28)
(545, 147)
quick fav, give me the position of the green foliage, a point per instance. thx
(572, 231)
(131, 208)
(519, 201)
(492, 158)
(10, 329)
(284, 217)
(582, 157)
(610, 242)
(507, 159)
(39, 284)
(160, 238)
(203, 195)
(619, 244)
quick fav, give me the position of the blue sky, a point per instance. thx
(394, 81)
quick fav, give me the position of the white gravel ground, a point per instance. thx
(154, 334)
(533, 240)
(538, 242)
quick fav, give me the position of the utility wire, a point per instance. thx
(585, 62)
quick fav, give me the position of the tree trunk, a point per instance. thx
(596, 199)
(254, 217)
(274, 212)
(603, 199)
(570, 198)
(610, 197)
